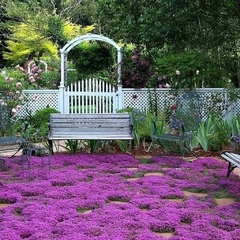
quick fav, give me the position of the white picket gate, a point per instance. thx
(90, 96)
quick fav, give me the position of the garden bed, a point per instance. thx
(142, 151)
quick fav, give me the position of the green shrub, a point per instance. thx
(42, 116)
(89, 58)
(50, 79)
(37, 130)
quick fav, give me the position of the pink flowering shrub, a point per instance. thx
(12, 82)
(136, 72)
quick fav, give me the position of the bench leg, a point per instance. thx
(133, 148)
(230, 169)
(50, 142)
(2, 166)
(2, 163)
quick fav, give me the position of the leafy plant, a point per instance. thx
(123, 145)
(219, 137)
(205, 128)
(37, 130)
(93, 145)
(72, 145)
(42, 116)
(233, 126)
(136, 69)
(137, 119)
(213, 134)
(89, 58)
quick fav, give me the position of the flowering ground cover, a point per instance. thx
(116, 197)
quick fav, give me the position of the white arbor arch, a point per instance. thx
(88, 37)
(64, 51)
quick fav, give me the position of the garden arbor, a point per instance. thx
(71, 44)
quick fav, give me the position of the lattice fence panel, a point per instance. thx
(37, 100)
(214, 101)
(143, 99)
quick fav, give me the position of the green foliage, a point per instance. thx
(143, 127)
(37, 130)
(137, 119)
(220, 103)
(72, 76)
(89, 58)
(146, 127)
(186, 63)
(26, 41)
(234, 126)
(136, 71)
(213, 134)
(145, 161)
(42, 116)
(38, 30)
(93, 145)
(222, 193)
(205, 128)
(36, 135)
(123, 145)
(72, 145)
(219, 137)
(50, 80)
(156, 24)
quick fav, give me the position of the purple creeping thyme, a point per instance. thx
(90, 196)
(167, 161)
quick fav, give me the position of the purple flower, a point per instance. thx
(89, 197)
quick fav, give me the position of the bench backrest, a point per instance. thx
(113, 124)
(5, 126)
(187, 113)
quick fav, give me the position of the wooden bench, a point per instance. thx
(105, 126)
(233, 160)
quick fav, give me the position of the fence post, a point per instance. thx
(119, 97)
(60, 99)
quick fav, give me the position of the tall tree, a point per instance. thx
(207, 26)
(40, 27)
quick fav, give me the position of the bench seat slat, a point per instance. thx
(73, 117)
(233, 160)
(232, 157)
(90, 133)
(90, 125)
(90, 116)
(85, 130)
(11, 140)
(91, 137)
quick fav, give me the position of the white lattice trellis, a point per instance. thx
(38, 99)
